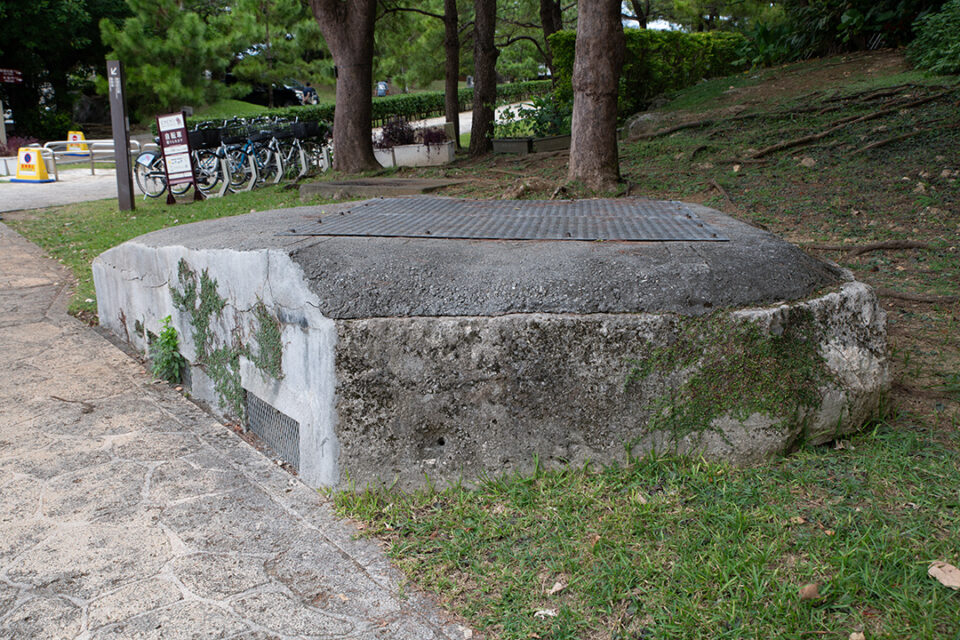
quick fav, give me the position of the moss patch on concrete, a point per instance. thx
(733, 367)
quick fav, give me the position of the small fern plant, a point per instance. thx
(167, 363)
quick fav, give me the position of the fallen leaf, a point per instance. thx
(546, 613)
(798, 520)
(808, 162)
(810, 591)
(857, 635)
(557, 588)
(829, 532)
(947, 574)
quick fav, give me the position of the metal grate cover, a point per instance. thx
(451, 218)
(278, 431)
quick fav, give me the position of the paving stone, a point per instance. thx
(219, 576)
(85, 561)
(20, 498)
(131, 600)
(326, 577)
(119, 489)
(154, 446)
(246, 521)
(61, 455)
(46, 617)
(182, 621)
(178, 480)
(285, 616)
(18, 537)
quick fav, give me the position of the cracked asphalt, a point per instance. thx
(127, 512)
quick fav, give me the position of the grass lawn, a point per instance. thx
(663, 548)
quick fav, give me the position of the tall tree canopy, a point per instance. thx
(173, 55)
(48, 40)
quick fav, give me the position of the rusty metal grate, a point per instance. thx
(277, 430)
(451, 218)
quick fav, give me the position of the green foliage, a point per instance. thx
(545, 117)
(50, 42)
(655, 62)
(167, 363)
(279, 41)
(937, 45)
(829, 26)
(173, 56)
(766, 44)
(269, 355)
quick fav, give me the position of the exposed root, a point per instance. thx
(853, 251)
(880, 143)
(844, 122)
(917, 297)
(723, 192)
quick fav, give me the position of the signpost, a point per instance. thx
(116, 84)
(8, 76)
(177, 161)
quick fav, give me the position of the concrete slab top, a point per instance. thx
(369, 277)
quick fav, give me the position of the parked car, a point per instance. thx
(283, 96)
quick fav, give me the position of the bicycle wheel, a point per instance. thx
(180, 189)
(292, 164)
(148, 171)
(267, 165)
(314, 156)
(208, 170)
(241, 173)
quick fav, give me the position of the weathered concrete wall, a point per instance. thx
(458, 397)
(134, 285)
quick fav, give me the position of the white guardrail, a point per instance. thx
(57, 150)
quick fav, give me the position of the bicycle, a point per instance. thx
(151, 177)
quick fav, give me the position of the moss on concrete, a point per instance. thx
(734, 367)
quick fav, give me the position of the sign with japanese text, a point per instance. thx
(175, 145)
(11, 76)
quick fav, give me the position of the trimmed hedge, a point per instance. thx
(408, 106)
(655, 62)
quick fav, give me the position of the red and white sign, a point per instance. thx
(11, 76)
(176, 149)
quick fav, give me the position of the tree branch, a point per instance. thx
(396, 9)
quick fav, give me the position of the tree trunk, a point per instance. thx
(485, 76)
(347, 28)
(451, 47)
(596, 72)
(641, 11)
(551, 17)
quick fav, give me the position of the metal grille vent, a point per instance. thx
(277, 430)
(452, 218)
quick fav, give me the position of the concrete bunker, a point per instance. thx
(390, 339)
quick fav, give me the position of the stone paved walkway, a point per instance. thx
(126, 512)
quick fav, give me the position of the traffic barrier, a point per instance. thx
(77, 144)
(30, 166)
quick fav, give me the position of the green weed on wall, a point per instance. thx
(655, 62)
(198, 298)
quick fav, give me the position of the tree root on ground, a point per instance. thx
(852, 251)
(916, 297)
